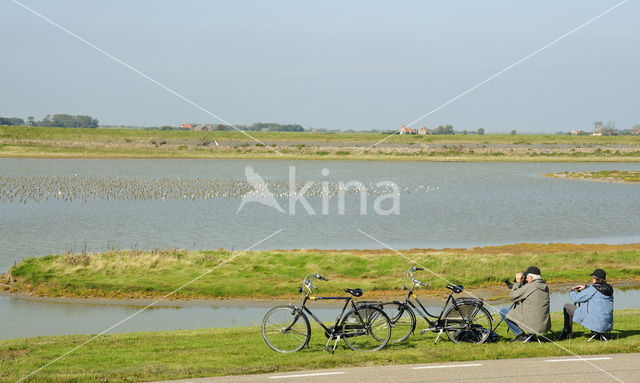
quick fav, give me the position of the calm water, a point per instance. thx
(473, 204)
(26, 318)
(449, 205)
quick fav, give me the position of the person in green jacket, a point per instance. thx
(530, 312)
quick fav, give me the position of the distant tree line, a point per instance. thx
(69, 121)
(11, 121)
(57, 120)
(275, 127)
(446, 129)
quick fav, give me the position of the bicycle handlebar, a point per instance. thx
(413, 279)
(320, 277)
(308, 282)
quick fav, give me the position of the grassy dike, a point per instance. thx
(273, 274)
(43, 142)
(212, 352)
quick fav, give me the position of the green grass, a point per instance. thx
(36, 142)
(214, 352)
(154, 273)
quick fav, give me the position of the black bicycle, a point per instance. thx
(364, 327)
(462, 319)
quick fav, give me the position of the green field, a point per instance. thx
(135, 273)
(36, 142)
(213, 352)
(113, 135)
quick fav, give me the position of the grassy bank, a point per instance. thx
(213, 352)
(135, 273)
(140, 135)
(620, 176)
(39, 142)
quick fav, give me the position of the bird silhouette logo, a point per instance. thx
(260, 192)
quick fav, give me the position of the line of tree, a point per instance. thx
(446, 129)
(69, 121)
(258, 126)
(275, 127)
(11, 121)
(57, 120)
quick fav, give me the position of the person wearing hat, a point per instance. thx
(596, 309)
(530, 311)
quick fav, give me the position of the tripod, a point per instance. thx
(513, 305)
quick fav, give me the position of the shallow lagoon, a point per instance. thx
(441, 205)
(448, 205)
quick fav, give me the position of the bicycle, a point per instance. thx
(463, 319)
(364, 327)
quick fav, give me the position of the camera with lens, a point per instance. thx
(510, 284)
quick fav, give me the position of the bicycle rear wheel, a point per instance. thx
(285, 329)
(402, 318)
(468, 323)
(366, 329)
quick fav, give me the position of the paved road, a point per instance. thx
(593, 368)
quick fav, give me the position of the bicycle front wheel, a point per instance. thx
(366, 329)
(468, 323)
(285, 329)
(402, 318)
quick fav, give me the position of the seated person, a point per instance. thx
(596, 309)
(531, 312)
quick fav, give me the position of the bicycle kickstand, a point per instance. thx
(335, 344)
(326, 346)
(438, 337)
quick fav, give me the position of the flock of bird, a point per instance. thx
(70, 188)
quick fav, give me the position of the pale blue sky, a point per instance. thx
(335, 65)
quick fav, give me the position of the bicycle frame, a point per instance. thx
(331, 331)
(424, 313)
(436, 325)
(305, 309)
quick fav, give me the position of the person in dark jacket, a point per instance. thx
(531, 310)
(596, 309)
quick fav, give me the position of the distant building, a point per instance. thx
(424, 131)
(186, 126)
(407, 130)
(203, 128)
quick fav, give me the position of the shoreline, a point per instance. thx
(312, 157)
(493, 294)
(139, 278)
(593, 177)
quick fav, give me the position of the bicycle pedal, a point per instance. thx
(424, 330)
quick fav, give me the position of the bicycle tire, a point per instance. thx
(286, 329)
(402, 318)
(469, 323)
(366, 329)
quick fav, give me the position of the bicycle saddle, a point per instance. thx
(456, 288)
(354, 292)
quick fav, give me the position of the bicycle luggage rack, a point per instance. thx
(376, 304)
